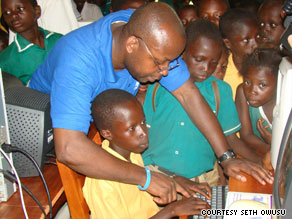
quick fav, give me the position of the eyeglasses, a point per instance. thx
(160, 69)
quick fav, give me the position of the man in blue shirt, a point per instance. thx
(119, 51)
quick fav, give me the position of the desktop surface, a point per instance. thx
(12, 208)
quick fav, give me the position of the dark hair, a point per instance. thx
(233, 20)
(202, 27)
(186, 7)
(251, 5)
(104, 106)
(116, 5)
(223, 1)
(3, 35)
(267, 57)
(33, 3)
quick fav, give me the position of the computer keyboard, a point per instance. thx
(219, 195)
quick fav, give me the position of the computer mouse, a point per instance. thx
(248, 204)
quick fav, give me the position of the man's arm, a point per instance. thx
(76, 150)
(202, 116)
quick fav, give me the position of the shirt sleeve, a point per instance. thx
(74, 82)
(176, 77)
(227, 115)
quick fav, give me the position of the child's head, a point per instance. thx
(260, 71)
(21, 15)
(240, 32)
(203, 49)
(117, 5)
(3, 40)
(212, 10)
(187, 14)
(222, 64)
(120, 119)
(249, 5)
(79, 4)
(271, 22)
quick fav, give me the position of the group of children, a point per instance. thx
(231, 54)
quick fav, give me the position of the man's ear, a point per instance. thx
(106, 134)
(132, 44)
(183, 54)
(227, 43)
(38, 11)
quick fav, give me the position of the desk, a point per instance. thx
(13, 209)
(251, 185)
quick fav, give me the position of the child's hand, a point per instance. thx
(266, 161)
(188, 206)
(264, 132)
(193, 187)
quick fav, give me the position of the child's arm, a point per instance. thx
(242, 149)
(246, 132)
(265, 133)
(188, 206)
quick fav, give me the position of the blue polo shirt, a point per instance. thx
(79, 67)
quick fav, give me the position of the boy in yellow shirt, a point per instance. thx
(120, 119)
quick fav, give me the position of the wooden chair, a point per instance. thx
(73, 183)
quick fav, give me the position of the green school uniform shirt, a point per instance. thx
(175, 143)
(21, 58)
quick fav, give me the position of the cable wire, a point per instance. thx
(11, 176)
(19, 183)
(10, 148)
(50, 162)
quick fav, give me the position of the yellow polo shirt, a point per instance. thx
(1, 27)
(232, 76)
(109, 199)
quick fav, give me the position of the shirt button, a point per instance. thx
(176, 152)
(182, 123)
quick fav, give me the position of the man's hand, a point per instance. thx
(163, 188)
(193, 187)
(232, 167)
(264, 132)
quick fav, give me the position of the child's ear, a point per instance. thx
(227, 43)
(38, 11)
(132, 44)
(106, 134)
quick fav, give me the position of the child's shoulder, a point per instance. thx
(6, 53)
(50, 34)
(220, 83)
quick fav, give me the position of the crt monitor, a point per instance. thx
(282, 107)
(282, 191)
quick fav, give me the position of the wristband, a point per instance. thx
(148, 179)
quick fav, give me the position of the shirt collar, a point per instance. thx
(23, 44)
